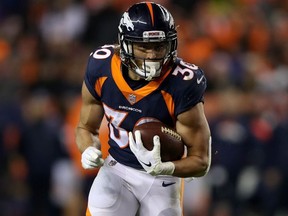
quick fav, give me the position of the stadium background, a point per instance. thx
(242, 45)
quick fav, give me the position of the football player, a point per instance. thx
(138, 80)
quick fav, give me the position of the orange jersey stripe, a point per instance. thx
(125, 88)
(149, 5)
(99, 84)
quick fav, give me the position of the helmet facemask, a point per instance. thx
(147, 68)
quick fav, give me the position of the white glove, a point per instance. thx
(92, 158)
(150, 160)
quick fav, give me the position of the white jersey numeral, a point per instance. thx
(103, 52)
(186, 72)
(116, 133)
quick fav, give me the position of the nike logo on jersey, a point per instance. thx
(164, 184)
(200, 80)
(146, 164)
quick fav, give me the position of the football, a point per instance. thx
(172, 146)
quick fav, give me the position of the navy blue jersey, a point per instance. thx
(162, 99)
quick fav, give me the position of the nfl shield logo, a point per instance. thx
(132, 98)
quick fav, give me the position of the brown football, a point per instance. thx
(172, 146)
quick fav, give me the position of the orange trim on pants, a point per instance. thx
(88, 212)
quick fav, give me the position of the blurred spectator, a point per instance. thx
(63, 22)
(41, 147)
(102, 15)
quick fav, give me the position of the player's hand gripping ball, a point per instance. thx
(172, 146)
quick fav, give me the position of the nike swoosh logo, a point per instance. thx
(147, 164)
(200, 80)
(167, 184)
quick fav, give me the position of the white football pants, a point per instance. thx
(119, 190)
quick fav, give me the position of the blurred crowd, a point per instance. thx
(242, 46)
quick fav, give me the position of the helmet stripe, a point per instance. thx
(149, 5)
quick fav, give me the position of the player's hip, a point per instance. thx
(140, 182)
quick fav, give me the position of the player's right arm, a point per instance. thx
(87, 136)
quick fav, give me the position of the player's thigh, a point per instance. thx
(108, 196)
(163, 199)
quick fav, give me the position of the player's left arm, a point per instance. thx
(194, 130)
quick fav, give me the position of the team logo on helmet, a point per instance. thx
(126, 21)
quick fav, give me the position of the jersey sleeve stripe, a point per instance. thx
(169, 103)
(98, 85)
